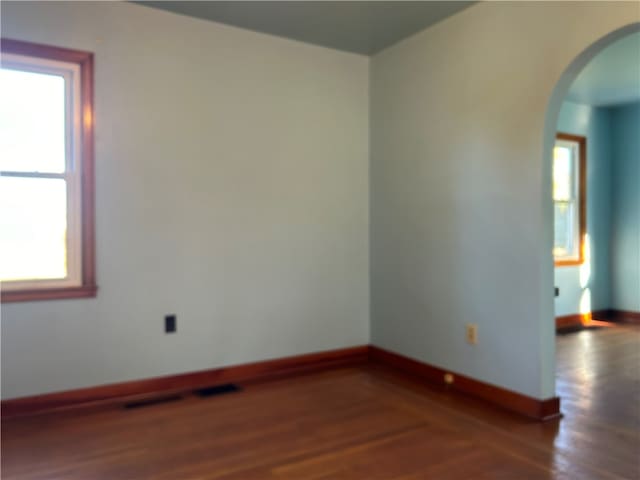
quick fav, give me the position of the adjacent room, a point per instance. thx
(305, 240)
(596, 192)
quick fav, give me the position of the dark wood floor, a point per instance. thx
(354, 423)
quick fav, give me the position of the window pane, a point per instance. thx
(32, 122)
(33, 228)
(563, 245)
(562, 173)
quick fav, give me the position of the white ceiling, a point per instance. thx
(612, 77)
(364, 27)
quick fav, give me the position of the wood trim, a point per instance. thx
(582, 207)
(606, 314)
(87, 147)
(569, 321)
(576, 319)
(39, 50)
(123, 392)
(624, 316)
(86, 291)
(136, 390)
(541, 410)
(573, 262)
(88, 171)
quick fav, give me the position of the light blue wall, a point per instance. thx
(461, 210)
(593, 123)
(625, 239)
(231, 189)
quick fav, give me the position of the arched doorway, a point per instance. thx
(557, 97)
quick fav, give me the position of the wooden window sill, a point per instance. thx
(568, 263)
(85, 291)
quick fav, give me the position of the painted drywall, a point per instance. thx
(591, 282)
(232, 185)
(625, 241)
(232, 190)
(461, 212)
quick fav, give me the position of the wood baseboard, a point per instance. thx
(121, 393)
(186, 382)
(612, 315)
(622, 316)
(541, 410)
(604, 315)
(569, 321)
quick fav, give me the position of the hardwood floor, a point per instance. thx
(368, 422)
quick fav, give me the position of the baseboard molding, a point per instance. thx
(173, 384)
(602, 314)
(622, 316)
(121, 393)
(541, 410)
(569, 321)
(612, 315)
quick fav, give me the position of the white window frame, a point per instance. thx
(70, 72)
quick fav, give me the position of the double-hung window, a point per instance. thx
(46, 172)
(569, 199)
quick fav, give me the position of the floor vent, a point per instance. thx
(217, 390)
(152, 401)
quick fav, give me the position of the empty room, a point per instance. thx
(319, 240)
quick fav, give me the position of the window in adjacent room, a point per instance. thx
(46, 173)
(569, 199)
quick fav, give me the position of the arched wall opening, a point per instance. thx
(554, 105)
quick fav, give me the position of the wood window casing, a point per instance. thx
(582, 199)
(87, 283)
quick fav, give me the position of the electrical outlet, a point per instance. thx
(472, 333)
(170, 323)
